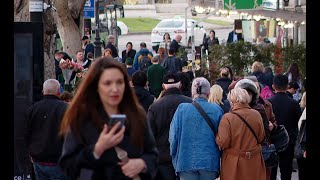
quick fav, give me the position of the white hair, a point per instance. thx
(204, 86)
(239, 95)
(51, 87)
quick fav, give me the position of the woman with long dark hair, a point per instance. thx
(91, 146)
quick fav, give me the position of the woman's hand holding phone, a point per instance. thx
(109, 139)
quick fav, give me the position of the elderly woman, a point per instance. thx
(264, 107)
(241, 158)
(194, 152)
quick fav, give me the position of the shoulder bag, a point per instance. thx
(269, 152)
(205, 116)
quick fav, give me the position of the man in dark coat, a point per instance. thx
(287, 112)
(57, 57)
(87, 46)
(172, 64)
(175, 43)
(111, 46)
(234, 37)
(41, 132)
(160, 115)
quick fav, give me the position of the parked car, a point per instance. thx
(175, 27)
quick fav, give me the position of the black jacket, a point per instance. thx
(175, 46)
(208, 42)
(287, 112)
(160, 115)
(77, 158)
(230, 37)
(224, 82)
(89, 48)
(113, 49)
(172, 64)
(42, 127)
(130, 54)
(144, 96)
(260, 77)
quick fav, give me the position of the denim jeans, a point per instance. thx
(48, 172)
(198, 175)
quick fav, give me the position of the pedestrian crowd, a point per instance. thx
(176, 126)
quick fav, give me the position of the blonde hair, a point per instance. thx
(303, 102)
(239, 96)
(257, 67)
(216, 94)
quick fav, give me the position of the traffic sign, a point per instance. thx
(88, 11)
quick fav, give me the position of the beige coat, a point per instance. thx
(241, 158)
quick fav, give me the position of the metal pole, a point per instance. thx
(97, 42)
(185, 24)
(217, 4)
(295, 34)
(116, 25)
(193, 49)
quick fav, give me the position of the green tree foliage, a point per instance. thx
(295, 54)
(240, 56)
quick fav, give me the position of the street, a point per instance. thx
(136, 39)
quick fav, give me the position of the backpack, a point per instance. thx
(266, 93)
(144, 62)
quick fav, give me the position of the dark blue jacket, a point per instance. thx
(230, 37)
(172, 65)
(89, 48)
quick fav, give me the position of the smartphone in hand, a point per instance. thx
(115, 118)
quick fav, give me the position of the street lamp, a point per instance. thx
(97, 42)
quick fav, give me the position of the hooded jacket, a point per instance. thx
(135, 60)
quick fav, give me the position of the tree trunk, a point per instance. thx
(21, 11)
(67, 19)
(67, 13)
(49, 29)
